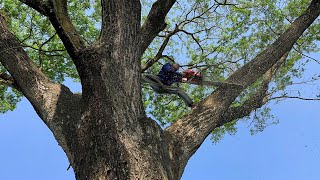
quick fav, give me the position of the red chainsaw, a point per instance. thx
(195, 77)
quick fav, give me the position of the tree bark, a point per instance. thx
(105, 132)
(115, 138)
(189, 132)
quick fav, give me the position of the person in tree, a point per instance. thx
(169, 74)
(161, 83)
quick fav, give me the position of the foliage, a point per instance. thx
(220, 39)
(43, 45)
(216, 39)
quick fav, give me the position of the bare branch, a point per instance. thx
(206, 66)
(315, 60)
(30, 30)
(169, 58)
(194, 38)
(188, 133)
(294, 97)
(199, 16)
(178, 28)
(224, 3)
(155, 22)
(46, 51)
(313, 79)
(160, 51)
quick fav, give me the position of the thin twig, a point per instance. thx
(295, 97)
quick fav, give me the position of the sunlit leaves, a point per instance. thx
(86, 16)
(41, 42)
(215, 39)
(35, 32)
(8, 99)
(229, 37)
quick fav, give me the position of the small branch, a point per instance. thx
(187, 21)
(48, 40)
(317, 61)
(168, 57)
(178, 28)
(30, 30)
(155, 22)
(205, 66)
(294, 97)
(306, 81)
(225, 3)
(41, 51)
(188, 133)
(56, 11)
(160, 51)
(46, 51)
(194, 38)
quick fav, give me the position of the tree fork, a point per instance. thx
(105, 132)
(115, 139)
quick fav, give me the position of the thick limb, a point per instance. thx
(155, 22)
(189, 132)
(56, 11)
(54, 103)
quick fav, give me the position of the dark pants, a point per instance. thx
(160, 88)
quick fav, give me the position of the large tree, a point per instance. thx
(105, 131)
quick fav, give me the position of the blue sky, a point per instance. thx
(288, 150)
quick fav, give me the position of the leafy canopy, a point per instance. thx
(204, 34)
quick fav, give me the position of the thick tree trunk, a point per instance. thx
(115, 139)
(106, 134)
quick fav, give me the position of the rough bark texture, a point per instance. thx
(105, 132)
(189, 132)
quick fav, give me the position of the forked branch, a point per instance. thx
(48, 98)
(189, 132)
(56, 11)
(257, 100)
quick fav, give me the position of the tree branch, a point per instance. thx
(7, 80)
(194, 38)
(159, 54)
(56, 11)
(180, 28)
(298, 51)
(257, 100)
(160, 51)
(188, 133)
(41, 6)
(54, 103)
(155, 22)
(224, 3)
(295, 97)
